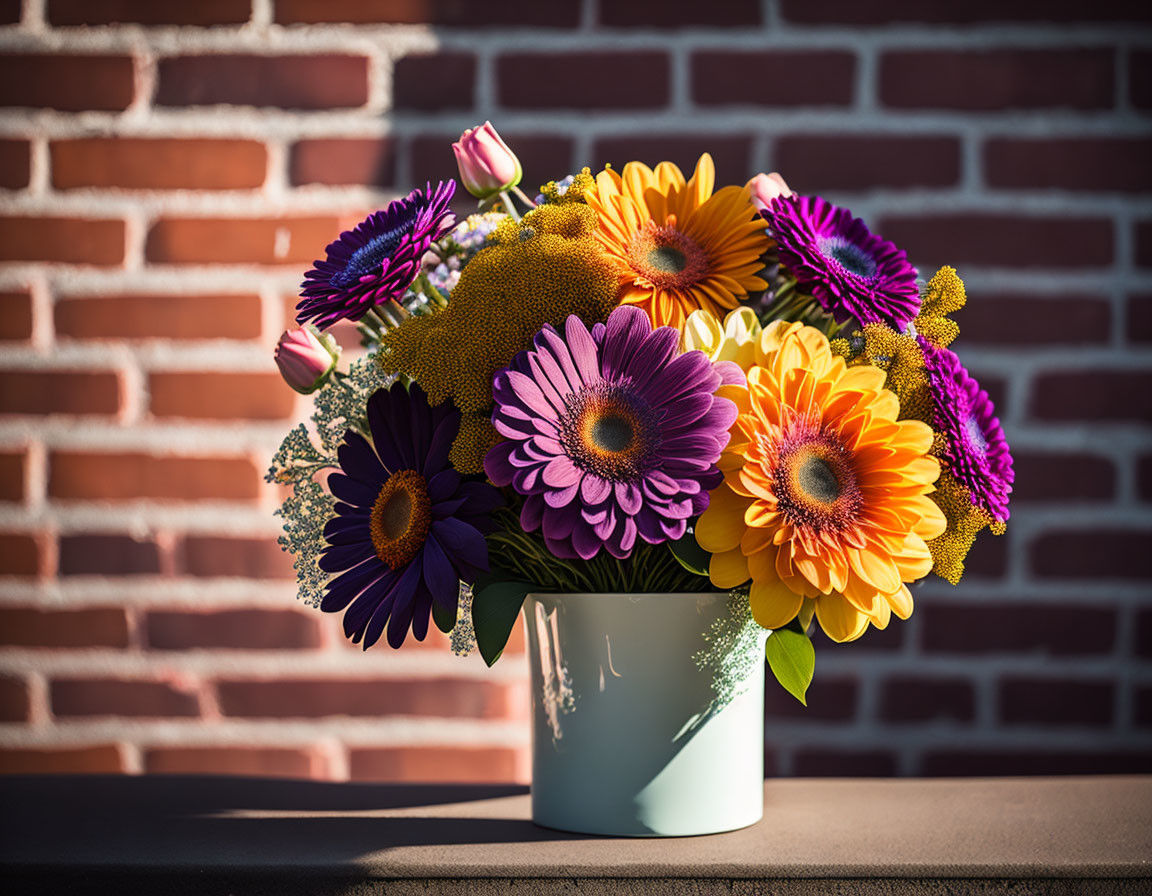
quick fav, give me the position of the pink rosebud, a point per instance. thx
(306, 360)
(486, 164)
(765, 188)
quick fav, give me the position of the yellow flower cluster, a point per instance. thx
(533, 272)
(944, 294)
(898, 355)
(965, 522)
(581, 183)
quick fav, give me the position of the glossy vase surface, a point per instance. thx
(629, 735)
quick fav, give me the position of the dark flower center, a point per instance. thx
(369, 257)
(400, 518)
(666, 259)
(849, 256)
(813, 478)
(817, 479)
(610, 431)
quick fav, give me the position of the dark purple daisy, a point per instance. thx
(975, 450)
(610, 435)
(378, 260)
(852, 273)
(407, 528)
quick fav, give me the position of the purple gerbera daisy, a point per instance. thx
(611, 434)
(407, 528)
(975, 450)
(852, 273)
(377, 260)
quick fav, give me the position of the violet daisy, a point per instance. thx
(974, 448)
(376, 261)
(610, 434)
(408, 527)
(852, 273)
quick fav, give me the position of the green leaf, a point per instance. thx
(792, 660)
(692, 557)
(445, 619)
(495, 606)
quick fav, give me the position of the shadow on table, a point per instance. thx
(239, 821)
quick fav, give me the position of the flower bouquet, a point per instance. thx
(633, 385)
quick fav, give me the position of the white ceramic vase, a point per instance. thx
(629, 738)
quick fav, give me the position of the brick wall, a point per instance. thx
(168, 169)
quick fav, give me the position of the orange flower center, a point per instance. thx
(666, 258)
(400, 518)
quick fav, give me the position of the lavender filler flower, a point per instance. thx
(852, 273)
(611, 434)
(377, 260)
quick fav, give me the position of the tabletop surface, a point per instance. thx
(812, 828)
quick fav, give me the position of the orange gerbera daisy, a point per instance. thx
(677, 247)
(824, 504)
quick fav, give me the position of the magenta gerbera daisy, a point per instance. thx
(974, 450)
(408, 528)
(852, 272)
(376, 261)
(611, 435)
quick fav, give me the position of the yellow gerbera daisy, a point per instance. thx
(676, 246)
(824, 504)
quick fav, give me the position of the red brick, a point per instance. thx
(1093, 395)
(660, 14)
(255, 762)
(15, 164)
(1144, 633)
(148, 316)
(148, 12)
(436, 765)
(1100, 553)
(15, 316)
(21, 554)
(1138, 327)
(891, 12)
(1062, 477)
(1013, 241)
(1115, 164)
(80, 476)
(90, 627)
(542, 156)
(732, 154)
(768, 78)
(350, 161)
(983, 763)
(847, 162)
(15, 700)
(249, 558)
(288, 82)
(434, 82)
(818, 762)
(998, 80)
(1142, 707)
(829, 700)
(233, 630)
(108, 555)
(312, 698)
(518, 13)
(10, 11)
(1140, 78)
(988, 558)
(287, 241)
(1144, 477)
(100, 760)
(991, 319)
(1143, 235)
(140, 163)
(70, 83)
(923, 699)
(13, 475)
(638, 79)
(121, 697)
(74, 392)
(66, 240)
(220, 396)
(1016, 628)
(1056, 702)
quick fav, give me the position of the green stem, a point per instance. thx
(509, 205)
(528, 202)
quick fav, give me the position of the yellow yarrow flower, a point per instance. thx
(824, 504)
